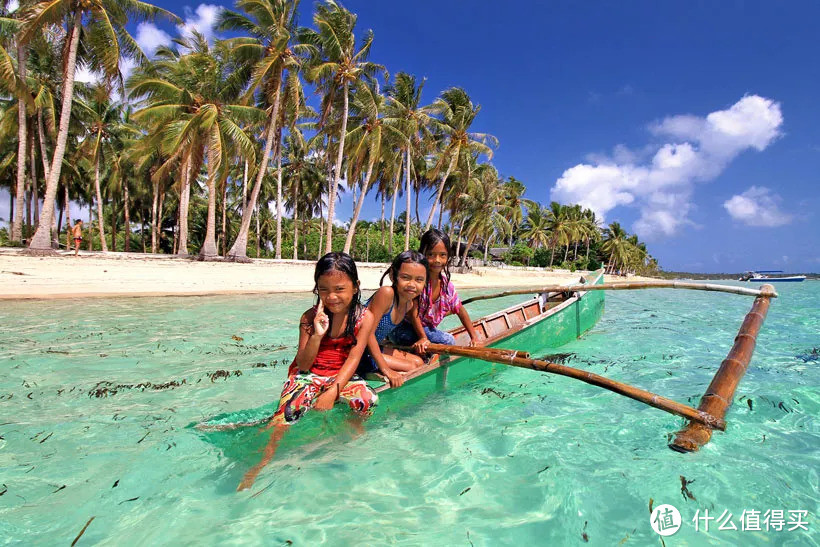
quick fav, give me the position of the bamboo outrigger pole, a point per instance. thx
(633, 285)
(719, 394)
(514, 358)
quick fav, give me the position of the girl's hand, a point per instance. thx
(327, 399)
(473, 343)
(320, 321)
(421, 346)
(394, 378)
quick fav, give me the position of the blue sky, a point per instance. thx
(693, 124)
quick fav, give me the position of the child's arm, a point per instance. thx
(468, 324)
(379, 304)
(310, 336)
(331, 394)
(394, 378)
(415, 321)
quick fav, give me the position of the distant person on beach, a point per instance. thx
(333, 335)
(77, 234)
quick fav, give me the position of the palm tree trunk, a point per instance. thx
(352, 230)
(67, 219)
(407, 196)
(321, 235)
(566, 252)
(239, 249)
(142, 229)
(154, 218)
(575, 252)
(208, 249)
(258, 236)
(90, 224)
(467, 249)
(224, 216)
(381, 220)
(245, 188)
(396, 183)
(41, 137)
(440, 191)
(440, 214)
(100, 221)
(113, 225)
(337, 172)
(296, 221)
(27, 231)
(587, 248)
(458, 241)
(42, 239)
(126, 204)
(160, 215)
(279, 196)
(184, 203)
(20, 192)
(34, 195)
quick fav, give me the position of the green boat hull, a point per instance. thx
(235, 435)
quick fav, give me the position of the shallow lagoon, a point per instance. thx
(535, 458)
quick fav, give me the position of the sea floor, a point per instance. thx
(97, 398)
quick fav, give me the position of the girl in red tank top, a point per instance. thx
(332, 337)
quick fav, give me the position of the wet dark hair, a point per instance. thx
(341, 262)
(430, 239)
(407, 257)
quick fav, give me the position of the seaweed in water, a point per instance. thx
(466, 490)
(559, 358)
(494, 392)
(76, 539)
(584, 535)
(684, 490)
(237, 338)
(811, 355)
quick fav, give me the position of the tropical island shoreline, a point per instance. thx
(96, 274)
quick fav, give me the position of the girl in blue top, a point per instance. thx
(391, 305)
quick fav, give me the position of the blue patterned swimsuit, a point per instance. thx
(383, 329)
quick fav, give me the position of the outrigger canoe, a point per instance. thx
(547, 320)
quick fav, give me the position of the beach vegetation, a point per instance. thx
(216, 147)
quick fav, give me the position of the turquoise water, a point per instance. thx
(97, 398)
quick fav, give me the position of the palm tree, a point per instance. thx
(616, 246)
(304, 181)
(536, 226)
(197, 104)
(559, 226)
(106, 41)
(335, 67)
(272, 26)
(406, 113)
(485, 209)
(365, 141)
(513, 195)
(457, 115)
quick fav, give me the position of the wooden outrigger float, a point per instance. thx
(712, 410)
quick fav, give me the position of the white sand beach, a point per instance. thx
(119, 274)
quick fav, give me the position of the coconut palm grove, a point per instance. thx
(241, 148)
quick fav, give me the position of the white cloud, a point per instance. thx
(659, 180)
(86, 75)
(202, 20)
(757, 206)
(150, 37)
